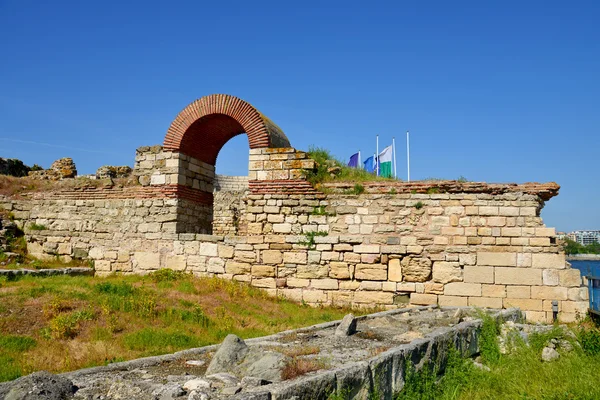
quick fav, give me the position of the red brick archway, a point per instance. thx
(205, 125)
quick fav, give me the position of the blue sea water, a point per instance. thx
(586, 266)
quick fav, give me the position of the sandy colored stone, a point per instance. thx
(237, 268)
(176, 263)
(394, 270)
(146, 260)
(462, 289)
(518, 292)
(371, 272)
(477, 274)
(445, 272)
(209, 249)
(493, 290)
(523, 304)
(423, 299)
(295, 257)
(266, 271)
(548, 260)
(452, 301)
(373, 298)
(550, 277)
(339, 270)
(570, 277)
(485, 302)
(416, 269)
(502, 259)
(518, 276)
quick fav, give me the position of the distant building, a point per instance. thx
(585, 237)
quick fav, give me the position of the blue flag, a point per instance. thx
(369, 164)
(353, 161)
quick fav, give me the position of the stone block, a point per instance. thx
(473, 274)
(295, 257)
(452, 301)
(373, 298)
(312, 271)
(570, 277)
(550, 277)
(523, 259)
(501, 259)
(324, 284)
(237, 268)
(224, 251)
(272, 257)
(485, 302)
(146, 260)
(550, 232)
(176, 262)
(339, 270)
(548, 260)
(296, 282)
(549, 292)
(367, 248)
(216, 266)
(371, 272)
(394, 270)
(314, 296)
(263, 271)
(370, 285)
(518, 292)
(102, 267)
(493, 290)
(445, 272)
(282, 228)
(518, 276)
(291, 294)
(576, 307)
(462, 289)
(523, 304)
(423, 299)
(209, 249)
(267, 283)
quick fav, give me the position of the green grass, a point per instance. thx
(518, 375)
(87, 321)
(325, 161)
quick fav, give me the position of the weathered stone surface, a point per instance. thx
(230, 353)
(416, 269)
(39, 386)
(445, 272)
(347, 327)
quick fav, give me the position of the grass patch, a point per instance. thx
(88, 321)
(37, 227)
(328, 168)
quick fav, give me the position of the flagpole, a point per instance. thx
(377, 159)
(408, 154)
(359, 161)
(394, 151)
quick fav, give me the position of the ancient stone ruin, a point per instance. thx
(419, 243)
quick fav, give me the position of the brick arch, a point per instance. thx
(205, 125)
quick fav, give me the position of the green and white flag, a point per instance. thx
(385, 162)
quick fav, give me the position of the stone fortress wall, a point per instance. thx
(446, 243)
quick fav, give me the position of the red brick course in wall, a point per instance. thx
(136, 192)
(204, 126)
(283, 186)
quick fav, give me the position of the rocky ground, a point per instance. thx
(238, 369)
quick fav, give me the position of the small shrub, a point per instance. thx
(320, 210)
(393, 191)
(488, 339)
(299, 366)
(433, 190)
(66, 326)
(419, 205)
(310, 238)
(167, 275)
(462, 179)
(37, 227)
(358, 189)
(589, 338)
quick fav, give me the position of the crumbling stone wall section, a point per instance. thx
(454, 249)
(229, 207)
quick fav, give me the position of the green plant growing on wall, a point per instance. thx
(310, 238)
(419, 205)
(433, 190)
(393, 191)
(462, 179)
(38, 227)
(320, 210)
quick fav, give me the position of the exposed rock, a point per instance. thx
(267, 367)
(416, 269)
(230, 354)
(347, 327)
(39, 386)
(549, 354)
(196, 384)
(252, 381)
(60, 169)
(110, 171)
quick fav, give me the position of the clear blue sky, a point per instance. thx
(496, 91)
